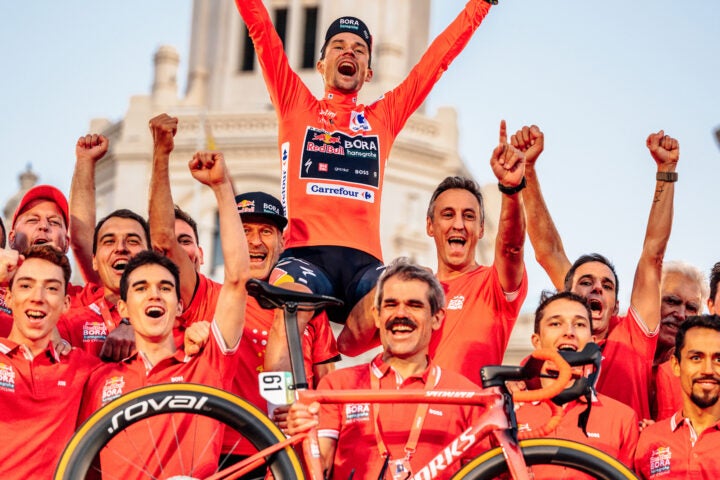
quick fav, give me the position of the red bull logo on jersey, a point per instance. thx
(7, 378)
(357, 412)
(326, 138)
(112, 389)
(660, 461)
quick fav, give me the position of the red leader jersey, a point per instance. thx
(628, 353)
(333, 151)
(671, 449)
(352, 424)
(318, 347)
(478, 322)
(87, 327)
(668, 392)
(140, 443)
(612, 428)
(39, 405)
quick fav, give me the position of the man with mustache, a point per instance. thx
(686, 444)
(408, 311)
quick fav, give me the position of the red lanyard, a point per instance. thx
(417, 424)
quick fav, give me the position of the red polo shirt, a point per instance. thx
(612, 428)
(87, 327)
(670, 449)
(352, 425)
(39, 405)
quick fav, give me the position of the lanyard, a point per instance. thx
(417, 424)
(106, 314)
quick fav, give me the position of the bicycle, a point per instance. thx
(513, 455)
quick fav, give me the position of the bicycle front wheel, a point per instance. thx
(551, 452)
(175, 424)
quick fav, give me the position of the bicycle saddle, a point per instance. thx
(270, 296)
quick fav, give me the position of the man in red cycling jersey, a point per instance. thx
(333, 150)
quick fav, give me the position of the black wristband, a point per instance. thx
(512, 190)
(666, 176)
(124, 321)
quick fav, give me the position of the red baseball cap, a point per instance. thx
(42, 192)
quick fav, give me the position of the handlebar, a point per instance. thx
(564, 375)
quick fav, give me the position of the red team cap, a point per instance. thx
(42, 192)
(262, 205)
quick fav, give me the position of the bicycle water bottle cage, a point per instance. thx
(270, 296)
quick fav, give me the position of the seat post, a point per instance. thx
(295, 346)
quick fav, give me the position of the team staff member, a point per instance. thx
(150, 298)
(629, 341)
(483, 301)
(40, 389)
(409, 308)
(40, 218)
(686, 444)
(563, 322)
(117, 238)
(683, 293)
(334, 213)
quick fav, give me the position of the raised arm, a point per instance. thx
(88, 151)
(544, 237)
(508, 165)
(645, 297)
(209, 169)
(161, 208)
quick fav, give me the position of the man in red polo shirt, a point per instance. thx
(151, 300)
(628, 341)
(686, 444)
(40, 389)
(563, 322)
(409, 308)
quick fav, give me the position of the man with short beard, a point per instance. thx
(686, 444)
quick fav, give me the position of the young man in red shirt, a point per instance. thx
(563, 322)
(409, 310)
(40, 389)
(333, 210)
(686, 444)
(151, 300)
(628, 341)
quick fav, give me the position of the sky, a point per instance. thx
(596, 77)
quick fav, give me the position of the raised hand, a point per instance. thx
(163, 129)
(196, 336)
(209, 168)
(530, 141)
(507, 162)
(91, 147)
(10, 260)
(664, 149)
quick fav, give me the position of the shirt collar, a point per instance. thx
(381, 369)
(7, 347)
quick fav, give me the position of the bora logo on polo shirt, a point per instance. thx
(660, 460)
(7, 378)
(112, 389)
(357, 412)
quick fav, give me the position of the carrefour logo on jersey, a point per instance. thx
(330, 190)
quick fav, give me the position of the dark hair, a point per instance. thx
(122, 213)
(182, 215)
(591, 257)
(714, 280)
(148, 257)
(3, 234)
(404, 269)
(711, 322)
(51, 254)
(549, 297)
(461, 183)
